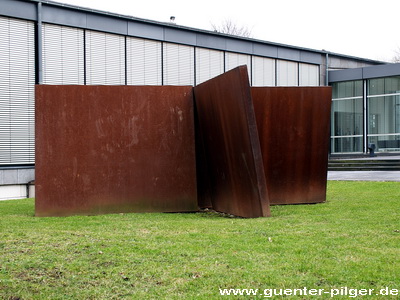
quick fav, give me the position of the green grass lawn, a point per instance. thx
(352, 240)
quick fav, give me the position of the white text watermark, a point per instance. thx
(342, 291)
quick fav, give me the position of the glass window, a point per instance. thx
(392, 85)
(384, 113)
(376, 86)
(105, 58)
(143, 62)
(263, 71)
(347, 89)
(385, 143)
(380, 86)
(384, 122)
(17, 92)
(62, 55)
(287, 73)
(209, 63)
(178, 62)
(309, 75)
(233, 60)
(382, 118)
(347, 125)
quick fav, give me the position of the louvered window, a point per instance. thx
(263, 71)
(209, 63)
(143, 62)
(234, 60)
(178, 63)
(17, 82)
(105, 58)
(63, 60)
(287, 73)
(309, 75)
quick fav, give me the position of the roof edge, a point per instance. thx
(386, 70)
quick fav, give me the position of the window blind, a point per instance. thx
(233, 60)
(309, 75)
(17, 82)
(63, 61)
(178, 63)
(143, 62)
(263, 71)
(287, 73)
(209, 63)
(105, 58)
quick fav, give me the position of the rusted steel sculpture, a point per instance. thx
(293, 126)
(109, 149)
(232, 157)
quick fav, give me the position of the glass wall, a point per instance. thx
(381, 119)
(347, 117)
(384, 113)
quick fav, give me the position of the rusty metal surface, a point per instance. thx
(203, 179)
(108, 149)
(228, 131)
(293, 125)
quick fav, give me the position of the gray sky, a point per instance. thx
(363, 28)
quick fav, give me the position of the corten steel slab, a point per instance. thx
(232, 155)
(108, 149)
(293, 125)
(203, 180)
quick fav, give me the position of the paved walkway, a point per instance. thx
(367, 175)
(381, 157)
(364, 175)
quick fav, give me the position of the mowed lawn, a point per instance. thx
(352, 240)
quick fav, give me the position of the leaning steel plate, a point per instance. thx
(233, 174)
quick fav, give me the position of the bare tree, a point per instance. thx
(230, 27)
(396, 57)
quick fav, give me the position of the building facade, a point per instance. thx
(45, 42)
(366, 109)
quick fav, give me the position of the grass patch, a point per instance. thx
(352, 240)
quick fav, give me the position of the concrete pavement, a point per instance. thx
(367, 175)
(364, 175)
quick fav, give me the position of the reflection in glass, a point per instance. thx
(347, 144)
(384, 122)
(380, 86)
(347, 125)
(382, 117)
(347, 89)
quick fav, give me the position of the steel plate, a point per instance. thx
(233, 174)
(113, 149)
(293, 126)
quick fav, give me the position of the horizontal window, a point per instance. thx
(105, 58)
(63, 56)
(287, 73)
(143, 62)
(209, 64)
(263, 71)
(178, 64)
(17, 85)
